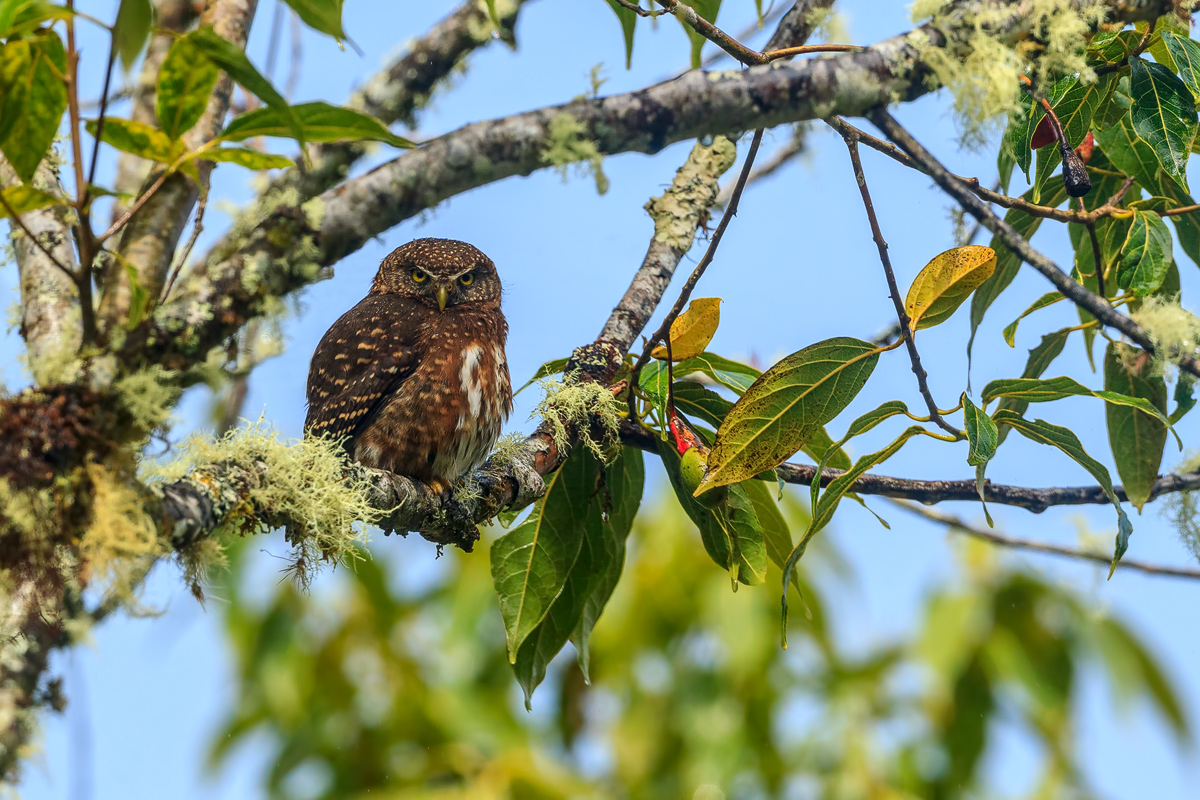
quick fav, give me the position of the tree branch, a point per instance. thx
(894, 290)
(958, 525)
(50, 313)
(937, 491)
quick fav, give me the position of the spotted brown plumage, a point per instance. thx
(414, 378)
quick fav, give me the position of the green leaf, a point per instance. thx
(24, 16)
(1186, 55)
(730, 532)
(1034, 390)
(33, 97)
(321, 15)
(776, 535)
(818, 447)
(138, 138)
(706, 9)
(1040, 358)
(945, 283)
(139, 297)
(131, 30)
(1137, 438)
(226, 55)
(1075, 103)
(1164, 115)
(1065, 440)
(319, 122)
(628, 19)
(1187, 226)
(982, 434)
(531, 563)
(1113, 46)
(1146, 256)
(624, 480)
(1048, 299)
(730, 374)
(245, 157)
(1007, 262)
(1130, 153)
(828, 503)
(600, 558)
(699, 402)
(1185, 399)
(781, 410)
(1014, 147)
(23, 198)
(858, 427)
(185, 82)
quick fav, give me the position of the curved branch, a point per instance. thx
(289, 249)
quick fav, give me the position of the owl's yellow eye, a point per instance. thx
(466, 280)
(418, 276)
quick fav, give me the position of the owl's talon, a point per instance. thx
(441, 490)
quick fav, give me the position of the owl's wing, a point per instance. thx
(360, 362)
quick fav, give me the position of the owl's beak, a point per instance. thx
(443, 297)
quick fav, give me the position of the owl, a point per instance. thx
(414, 379)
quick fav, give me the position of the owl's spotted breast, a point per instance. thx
(414, 378)
(447, 414)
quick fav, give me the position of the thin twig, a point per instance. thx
(959, 525)
(990, 195)
(197, 227)
(746, 55)
(893, 289)
(133, 209)
(730, 212)
(20, 223)
(1074, 291)
(1097, 255)
(112, 57)
(83, 232)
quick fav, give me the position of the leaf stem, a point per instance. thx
(894, 290)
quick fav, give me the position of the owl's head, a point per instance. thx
(440, 273)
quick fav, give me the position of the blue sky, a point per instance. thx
(796, 266)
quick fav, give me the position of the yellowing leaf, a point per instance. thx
(693, 329)
(945, 282)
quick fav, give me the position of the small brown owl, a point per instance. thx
(414, 378)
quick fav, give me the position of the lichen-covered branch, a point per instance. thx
(289, 248)
(50, 317)
(403, 87)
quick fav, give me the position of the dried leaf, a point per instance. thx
(693, 329)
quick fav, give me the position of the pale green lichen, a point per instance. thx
(484, 29)
(1174, 331)
(981, 70)
(588, 408)
(1182, 509)
(303, 487)
(120, 532)
(148, 395)
(678, 211)
(568, 144)
(829, 26)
